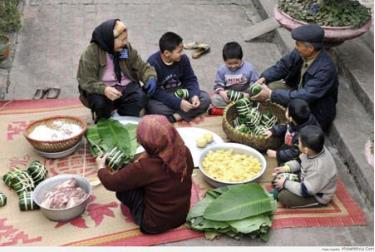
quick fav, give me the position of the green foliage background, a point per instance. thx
(331, 12)
(10, 18)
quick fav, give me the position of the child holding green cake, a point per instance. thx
(235, 75)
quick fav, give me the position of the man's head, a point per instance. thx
(171, 46)
(311, 140)
(232, 55)
(120, 35)
(309, 39)
(298, 111)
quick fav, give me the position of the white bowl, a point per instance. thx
(66, 213)
(238, 149)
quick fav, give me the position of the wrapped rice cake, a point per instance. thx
(3, 199)
(183, 93)
(26, 202)
(37, 171)
(22, 182)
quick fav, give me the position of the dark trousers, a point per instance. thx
(158, 107)
(132, 101)
(134, 201)
(292, 200)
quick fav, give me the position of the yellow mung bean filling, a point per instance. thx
(227, 166)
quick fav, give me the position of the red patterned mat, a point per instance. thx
(104, 222)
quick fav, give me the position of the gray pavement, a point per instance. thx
(55, 32)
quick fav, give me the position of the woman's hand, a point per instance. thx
(100, 161)
(112, 93)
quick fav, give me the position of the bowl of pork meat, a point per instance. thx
(63, 197)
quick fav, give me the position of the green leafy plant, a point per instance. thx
(327, 12)
(10, 18)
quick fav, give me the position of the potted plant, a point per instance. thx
(4, 47)
(340, 19)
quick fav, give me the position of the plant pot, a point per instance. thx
(4, 47)
(332, 35)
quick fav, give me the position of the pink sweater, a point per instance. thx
(109, 76)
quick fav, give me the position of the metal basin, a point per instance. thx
(66, 213)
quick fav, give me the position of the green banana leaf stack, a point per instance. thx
(117, 140)
(237, 211)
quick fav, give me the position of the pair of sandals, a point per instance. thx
(47, 93)
(198, 47)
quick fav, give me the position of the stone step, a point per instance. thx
(356, 62)
(355, 58)
(354, 121)
(350, 131)
(260, 29)
(368, 39)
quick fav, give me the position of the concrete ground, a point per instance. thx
(55, 32)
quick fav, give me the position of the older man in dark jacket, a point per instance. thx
(309, 73)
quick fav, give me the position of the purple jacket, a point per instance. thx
(239, 79)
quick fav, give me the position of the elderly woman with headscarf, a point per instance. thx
(110, 71)
(156, 187)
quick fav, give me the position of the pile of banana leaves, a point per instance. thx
(237, 211)
(117, 140)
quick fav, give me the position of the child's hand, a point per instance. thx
(223, 94)
(271, 153)
(278, 170)
(267, 134)
(100, 161)
(261, 80)
(185, 106)
(279, 182)
(195, 101)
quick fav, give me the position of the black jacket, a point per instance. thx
(319, 87)
(290, 151)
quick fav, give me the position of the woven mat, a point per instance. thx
(342, 211)
(104, 223)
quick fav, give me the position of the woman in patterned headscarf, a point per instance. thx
(157, 186)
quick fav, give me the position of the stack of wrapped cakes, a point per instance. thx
(23, 182)
(250, 120)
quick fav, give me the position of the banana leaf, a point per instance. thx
(251, 224)
(200, 207)
(109, 134)
(202, 224)
(114, 134)
(210, 235)
(239, 202)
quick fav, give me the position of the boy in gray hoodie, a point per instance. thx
(317, 169)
